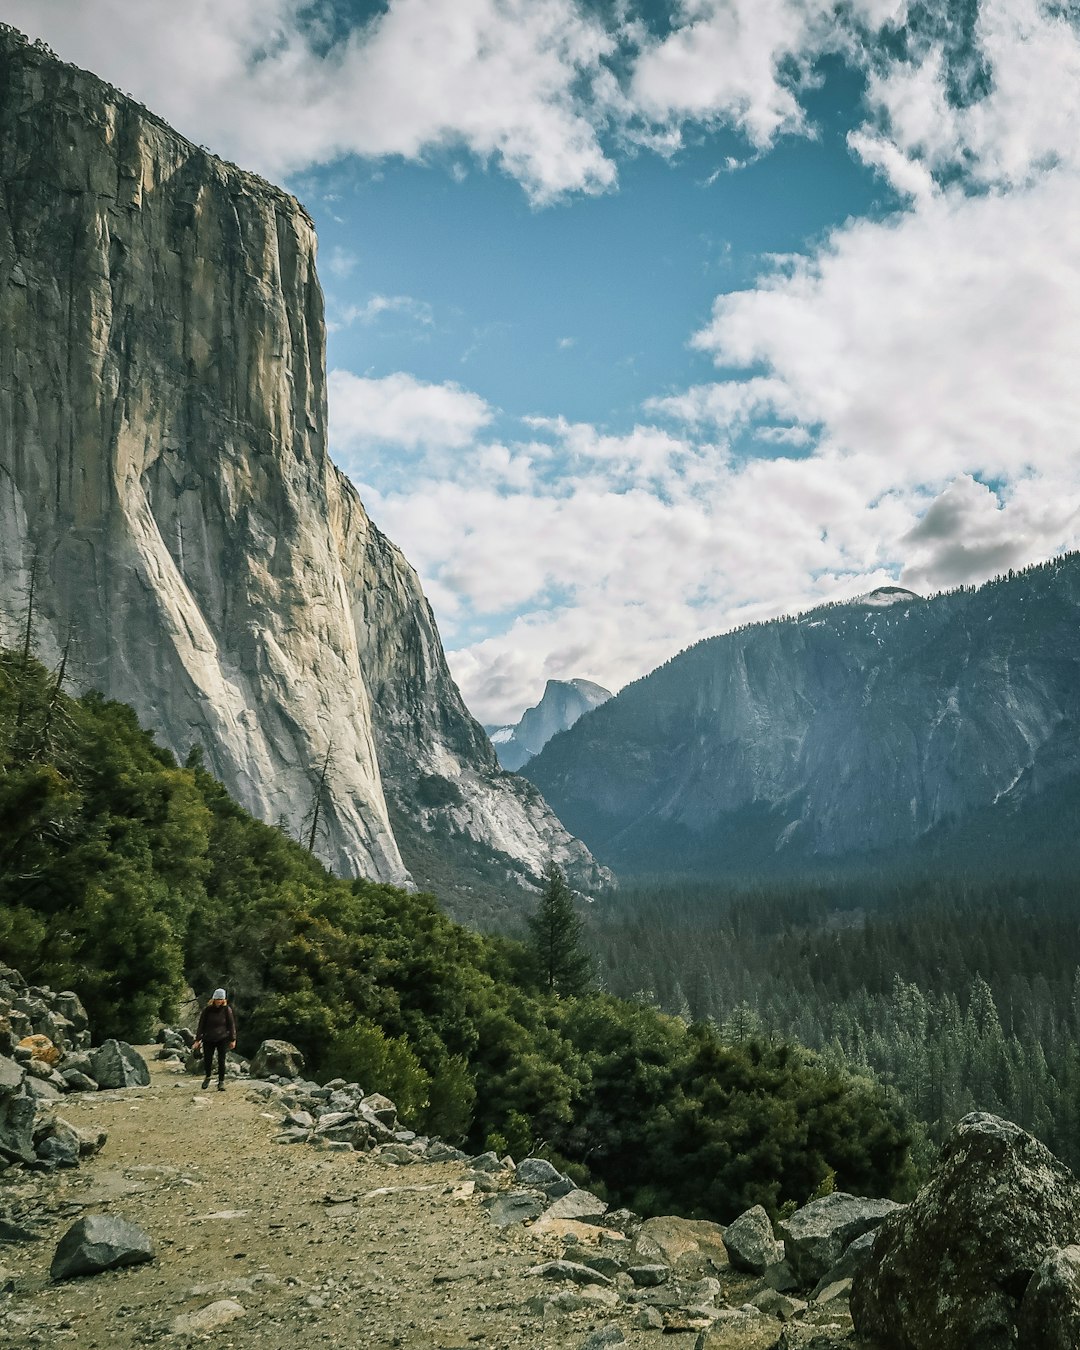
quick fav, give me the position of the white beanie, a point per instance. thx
(218, 993)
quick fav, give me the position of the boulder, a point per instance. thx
(750, 1242)
(1050, 1312)
(382, 1108)
(816, 1236)
(100, 1242)
(57, 1143)
(577, 1204)
(277, 1059)
(18, 1108)
(950, 1270)
(115, 1064)
(646, 1277)
(78, 1082)
(693, 1248)
(41, 1048)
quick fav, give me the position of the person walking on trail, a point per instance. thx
(216, 1032)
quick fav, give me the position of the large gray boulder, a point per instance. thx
(949, 1272)
(750, 1242)
(816, 1235)
(277, 1059)
(100, 1242)
(115, 1064)
(17, 1110)
(1050, 1312)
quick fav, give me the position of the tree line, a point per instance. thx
(138, 881)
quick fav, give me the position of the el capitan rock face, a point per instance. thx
(886, 727)
(163, 453)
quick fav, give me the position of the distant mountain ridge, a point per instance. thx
(874, 728)
(562, 704)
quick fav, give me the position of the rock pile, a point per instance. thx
(45, 1052)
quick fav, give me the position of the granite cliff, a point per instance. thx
(164, 475)
(564, 701)
(884, 729)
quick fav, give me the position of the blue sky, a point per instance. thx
(646, 322)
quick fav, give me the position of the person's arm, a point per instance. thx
(232, 1027)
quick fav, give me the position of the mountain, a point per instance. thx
(887, 727)
(167, 494)
(564, 701)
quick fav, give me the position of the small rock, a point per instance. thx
(648, 1319)
(816, 1236)
(611, 1334)
(740, 1329)
(100, 1242)
(839, 1289)
(648, 1277)
(779, 1305)
(568, 1270)
(577, 1204)
(514, 1207)
(211, 1317)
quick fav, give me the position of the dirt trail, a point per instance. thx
(320, 1249)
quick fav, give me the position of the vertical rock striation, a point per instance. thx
(163, 457)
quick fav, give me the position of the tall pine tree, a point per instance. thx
(564, 966)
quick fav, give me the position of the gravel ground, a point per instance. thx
(317, 1248)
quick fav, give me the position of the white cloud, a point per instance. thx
(513, 81)
(399, 410)
(377, 307)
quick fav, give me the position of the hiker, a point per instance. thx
(216, 1031)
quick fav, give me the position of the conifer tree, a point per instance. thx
(563, 964)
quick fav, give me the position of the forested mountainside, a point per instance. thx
(959, 994)
(167, 495)
(124, 876)
(947, 727)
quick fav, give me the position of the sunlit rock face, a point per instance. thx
(163, 455)
(564, 703)
(854, 733)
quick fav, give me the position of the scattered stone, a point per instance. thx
(740, 1329)
(568, 1270)
(514, 1207)
(611, 1334)
(1050, 1312)
(440, 1152)
(16, 1232)
(100, 1242)
(781, 1278)
(779, 1305)
(211, 1317)
(750, 1242)
(382, 1108)
(277, 1059)
(577, 1204)
(115, 1064)
(647, 1277)
(648, 1319)
(838, 1289)
(486, 1162)
(816, 1236)
(949, 1271)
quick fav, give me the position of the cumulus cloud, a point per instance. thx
(399, 410)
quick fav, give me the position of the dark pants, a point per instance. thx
(222, 1048)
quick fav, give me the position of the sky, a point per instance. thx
(649, 320)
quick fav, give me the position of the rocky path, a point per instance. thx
(309, 1248)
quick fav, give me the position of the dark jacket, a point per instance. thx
(217, 1023)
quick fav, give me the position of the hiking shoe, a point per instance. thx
(221, 1087)
(205, 1084)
